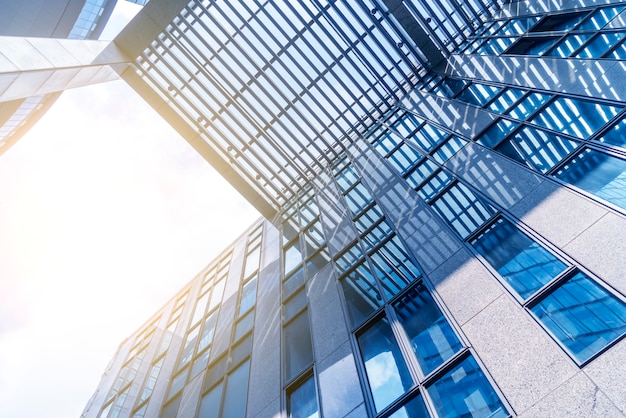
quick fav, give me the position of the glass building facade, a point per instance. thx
(443, 201)
(79, 20)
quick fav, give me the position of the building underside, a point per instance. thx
(443, 186)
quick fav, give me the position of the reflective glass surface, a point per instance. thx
(431, 337)
(303, 400)
(361, 293)
(210, 404)
(236, 392)
(462, 209)
(524, 264)
(617, 135)
(598, 173)
(583, 316)
(465, 392)
(298, 350)
(540, 150)
(575, 117)
(386, 371)
(415, 408)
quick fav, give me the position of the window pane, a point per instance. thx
(583, 316)
(236, 392)
(539, 149)
(248, 296)
(210, 405)
(616, 136)
(524, 264)
(575, 117)
(415, 408)
(387, 374)
(431, 337)
(600, 174)
(293, 256)
(298, 351)
(303, 400)
(465, 392)
(361, 293)
(462, 209)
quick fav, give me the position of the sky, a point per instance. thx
(105, 212)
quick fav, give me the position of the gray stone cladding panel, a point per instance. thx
(521, 8)
(358, 412)
(556, 213)
(265, 366)
(427, 237)
(465, 286)
(578, 397)
(334, 215)
(190, 397)
(328, 327)
(608, 372)
(591, 78)
(502, 180)
(601, 248)
(273, 410)
(340, 391)
(524, 362)
(225, 320)
(465, 120)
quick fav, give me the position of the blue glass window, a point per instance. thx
(528, 106)
(506, 100)
(435, 185)
(575, 117)
(569, 45)
(462, 209)
(303, 400)
(599, 18)
(599, 174)
(387, 373)
(524, 264)
(415, 408)
(539, 149)
(617, 135)
(478, 94)
(421, 172)
(361, 293)
(496, 133)
(465, 392)
(431, 337)
(583, 316)
(600, 45)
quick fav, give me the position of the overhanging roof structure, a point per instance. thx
(270, 92)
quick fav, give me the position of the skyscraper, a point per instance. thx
(443, 191)
(75, 19)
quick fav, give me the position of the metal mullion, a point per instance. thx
(441, 23)
(285, 50)
(261, 102)
(215, 144)
(245, 113)
(364, 38)
(457, 214)
(297, 79)
(469, 21)
(224, 109)
(326, 70)
(352, 44)
(337, 61)
(453, 23)
(291, 103)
